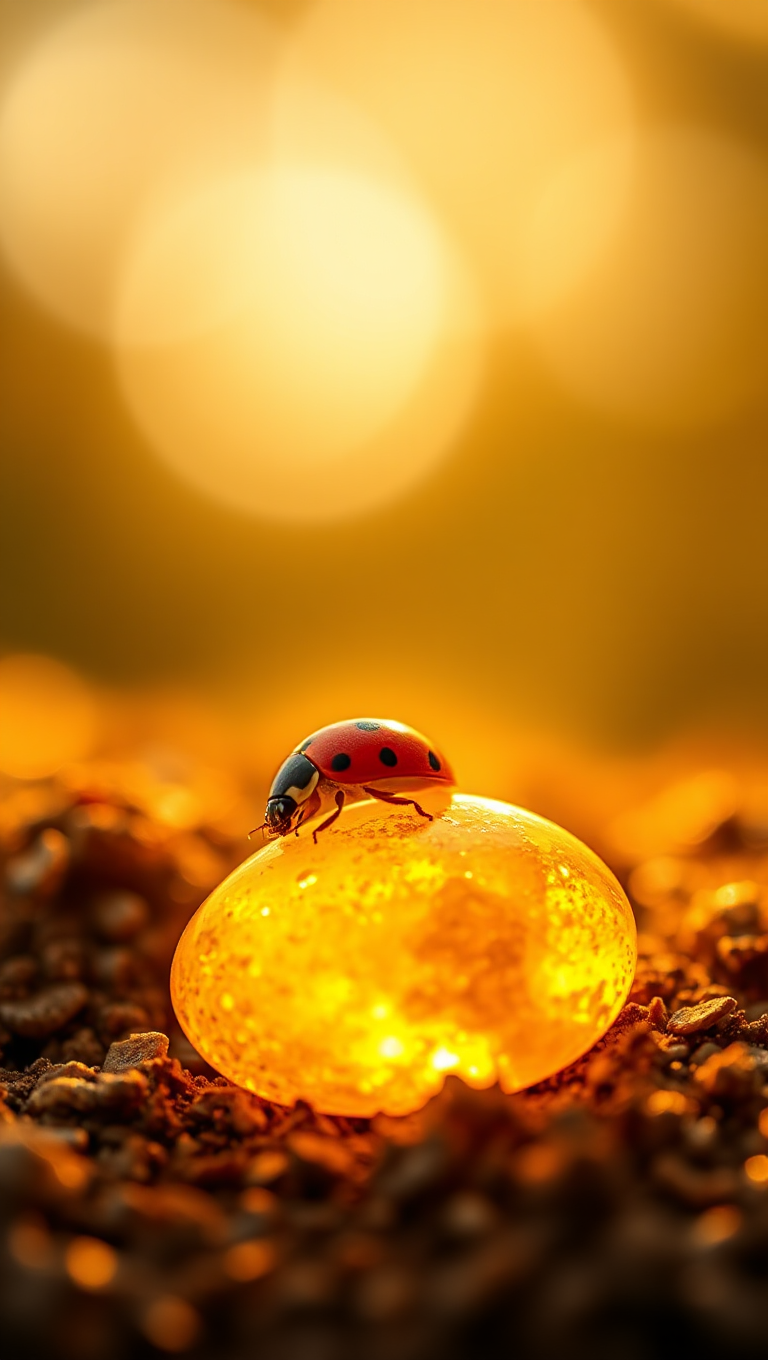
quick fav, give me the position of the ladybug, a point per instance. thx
(347, 762)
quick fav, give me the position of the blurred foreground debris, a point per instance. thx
(148, 1207)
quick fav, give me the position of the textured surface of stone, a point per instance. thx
(356, 972)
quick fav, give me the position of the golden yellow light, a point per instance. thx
(671, 330)
(746, 20)
(90, 1262)
(571, 222)
(311, 121)
(757, 1169)
(486, 104)
(356, 973)
(112, 112)
(298, 341)
(47, 716)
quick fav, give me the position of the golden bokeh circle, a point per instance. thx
(298, 341)
(486, 104)
(671, 329)
(115, 110)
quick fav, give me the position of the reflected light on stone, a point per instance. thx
(486, 103)
(671, 330)
(382, 965)
(114, 111)
(299, 341)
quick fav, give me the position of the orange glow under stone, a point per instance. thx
(356, 973)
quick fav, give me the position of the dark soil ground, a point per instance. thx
(149, 1207)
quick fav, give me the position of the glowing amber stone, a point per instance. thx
(356, 973)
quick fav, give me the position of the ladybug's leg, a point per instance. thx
(402, 802)
(329, 820)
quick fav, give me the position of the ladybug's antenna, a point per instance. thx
(261, 828)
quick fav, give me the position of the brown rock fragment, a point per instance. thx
(330, 1154)
(136, 1050)
(62, 1096)
(63, 960)
(744, 958)
(225, 1168)
(691, 1019)
(692, 1185)
(41, 868)
(112, 1093)
(83, 1046)
(184, 1206)
(118, 916)
(230, 1109)
(36, 1016)
(37, 1165)
(730, 1074)
(68, 1069)
(134, 1158)
(17, 973)
(121, 1017)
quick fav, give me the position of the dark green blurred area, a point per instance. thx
(562, 566)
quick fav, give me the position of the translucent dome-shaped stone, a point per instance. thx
(356, 972)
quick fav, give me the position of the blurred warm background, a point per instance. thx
(405, 357)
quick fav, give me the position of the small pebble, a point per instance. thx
(691, 1019)
(118, 916)
(46, 1011)
(41, 868)
(132, 1052)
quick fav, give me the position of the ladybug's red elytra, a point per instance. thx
(347, 762)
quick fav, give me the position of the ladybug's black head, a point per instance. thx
(292, 786)
(280, 814)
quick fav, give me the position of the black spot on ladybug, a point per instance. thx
(306, 743)
(366, 726)
(387, 756)
(341, 762)
(433, 760)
